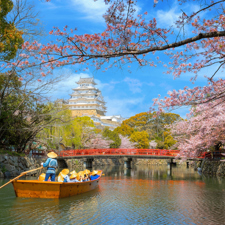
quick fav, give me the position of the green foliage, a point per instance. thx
(10, 37)
(155, 126)
(22, 116)
(3, 169)
(160, 144)
(142, 138)
(112, 135)
(2, 152)
(124, 130)
(169, 140)
(72, 132)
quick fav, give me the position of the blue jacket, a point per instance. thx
(94, 177)
(50, 169)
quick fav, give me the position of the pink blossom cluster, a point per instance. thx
(98, 142)
(204, 129)
(126, 143)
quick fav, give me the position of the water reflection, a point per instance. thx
(142, 195)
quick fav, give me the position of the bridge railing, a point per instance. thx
(111, 151)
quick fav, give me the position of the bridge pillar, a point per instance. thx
(128, 163)
(170, 163)
(187, 163)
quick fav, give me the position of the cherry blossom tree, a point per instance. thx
(126, 143)
(129, 38)
(98, 142)
(204, 129)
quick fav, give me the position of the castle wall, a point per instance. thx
(90, 112)
(84, 111)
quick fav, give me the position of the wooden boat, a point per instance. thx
(48, 189)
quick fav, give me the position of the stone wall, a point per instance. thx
(151, 162)
(109, 161)
(157, 162)
(74, 164)
(12, 166)
(214, 168)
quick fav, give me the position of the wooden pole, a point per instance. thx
(22, 174)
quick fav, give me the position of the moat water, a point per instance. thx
(142, 195)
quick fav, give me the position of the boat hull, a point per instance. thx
(45, 189)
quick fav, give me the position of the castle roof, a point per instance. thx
(89, 80)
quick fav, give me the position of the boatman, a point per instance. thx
(51, 165)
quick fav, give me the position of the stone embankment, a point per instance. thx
(214, 168)
(12, 166)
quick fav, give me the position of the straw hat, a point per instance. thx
(62, 174)
(94, 172)
(86, 171)
(73, 175)
(80, 175)
(41, 177)
(52, 155)
(60, 178)
(73, 172)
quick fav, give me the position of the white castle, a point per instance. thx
(87, 100)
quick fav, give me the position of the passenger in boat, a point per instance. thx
(51, 164)
(62, 175)
(86, 175)
(94, 175)
(72, 178)
(80, 176)
(85, 178)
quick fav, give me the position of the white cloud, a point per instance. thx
(123, 107)
(94, 10)
(168, 17)
(151, 84)
(166, 86)
(64, 88)
(90, 9)
(134, 84)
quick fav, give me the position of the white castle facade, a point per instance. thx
(87, 100)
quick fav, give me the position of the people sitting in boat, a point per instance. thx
(51, 164)
(85, 178)
(62, 175)
(67, 179)
(80, 176)
(42, 177)
(72, 178)
(86, 173)
(94, 175)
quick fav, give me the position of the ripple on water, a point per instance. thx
(124, 199)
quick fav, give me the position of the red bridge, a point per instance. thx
(121, 152)
(161, 153)
(128, 156)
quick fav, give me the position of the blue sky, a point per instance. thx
(126, 93)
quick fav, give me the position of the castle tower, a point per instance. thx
(87, 99)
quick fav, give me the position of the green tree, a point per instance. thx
(22, 116)
(124, 129)
(112, 135)
(71, 132)
(155, 125)
(142, 138)
(10, 37)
